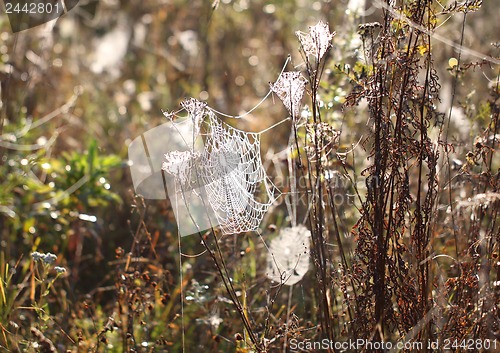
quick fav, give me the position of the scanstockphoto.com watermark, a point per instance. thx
(352, 345)
(412, 346)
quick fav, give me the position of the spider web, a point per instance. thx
(228, 169)
(318, 41)
(233, 174)
(290, 88)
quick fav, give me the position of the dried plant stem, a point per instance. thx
(220, 264)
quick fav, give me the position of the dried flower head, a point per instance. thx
(60, 269)
(196, 111)
(37, 255)
(49, 258)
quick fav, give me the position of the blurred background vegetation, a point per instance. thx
(75, 93)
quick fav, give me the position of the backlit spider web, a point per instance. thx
(318, 41)
(290, 88)
(233, 176)
(230, 169)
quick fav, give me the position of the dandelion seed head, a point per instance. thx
(288, 259)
